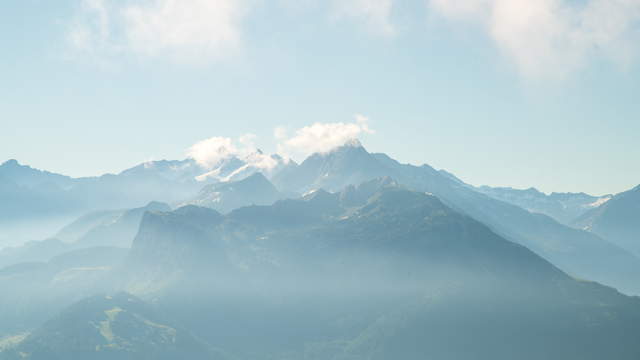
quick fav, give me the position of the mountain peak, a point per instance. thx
(257, 176)
(11, 163)
(316, 194)
(348, 149)
(353, 143)
(157, 206)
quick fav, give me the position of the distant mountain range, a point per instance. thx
(36, 203)
(563, 207)
(577, 252)
(29, 193)
(373, 272)
(618, 220)
(391, 267)
(234, 182)
(107, 228)
(114, 228)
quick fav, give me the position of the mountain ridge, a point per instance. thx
(398, 247)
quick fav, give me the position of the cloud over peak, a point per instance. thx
(316, 138)
(323, 137)
(211, 152)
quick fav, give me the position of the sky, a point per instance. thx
(521, 93)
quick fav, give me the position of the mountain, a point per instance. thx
(79, 227)
(348, 164)
(563, 207)
(34, 251)
(577, 252)
(235, 168)
(33, 199)
(224, 197)
(109, 327)
(27, 193)
(28, 177)
(377, 272)
(34, 203)
(618, 220)
(182, 171)
(116, 228)
(35, 289)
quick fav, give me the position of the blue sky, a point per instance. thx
(501, 92)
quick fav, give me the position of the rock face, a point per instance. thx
(374, 272)
(617, 220)
(109, 327)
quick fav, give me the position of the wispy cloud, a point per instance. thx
(376, 14)
(185, 29)
(323, 137)
(91, 31)
(553, 38)
(191, 31)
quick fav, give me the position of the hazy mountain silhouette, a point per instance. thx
(371, 272)
(115, 228)
(34, 291)
(563, 207)
(224, 197)
(578, 252)
(118, 230)
(367, 275)
(618, 220)
(109, 327)
(28, 177)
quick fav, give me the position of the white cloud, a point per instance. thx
(553, 38)
(211, 152)
(323, 137)
(95, 30)
(248, 140)
(192, 31)
(280, 133)
(185, 29)
(90, 32)
(375, 13)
